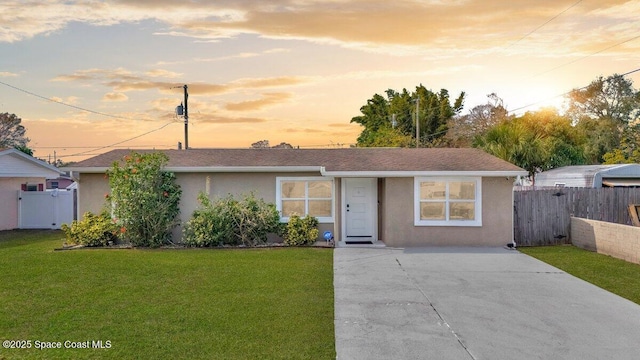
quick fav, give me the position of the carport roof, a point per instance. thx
(331, 162)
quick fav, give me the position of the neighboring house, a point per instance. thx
(61, 182)
(590, 176)
(19, 171)
(404, 197)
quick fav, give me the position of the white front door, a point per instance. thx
(360, 209)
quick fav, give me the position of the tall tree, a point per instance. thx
(562, 143)
(462, 130)
(391, 120)
(511, 141)
(612, 98)
(536, 141)
(603, 136)
(629, 149)
(603, 110)
(12, 133)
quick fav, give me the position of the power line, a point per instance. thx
(548, 21)
(586, 56)
(91, 147)
(566, 93)
(90, 111)
(121, 142)
(64, 103)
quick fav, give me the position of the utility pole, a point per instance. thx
(186, 119)
(417, 121)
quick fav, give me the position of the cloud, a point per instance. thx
(162, 73)
(267, 99)
(218, 119)
(277, 51)
(68, 100)
(424, 26)
(303, 130)
(342, 125)
(115, 97)
(242, 55)
(121, 80)
(7, 74)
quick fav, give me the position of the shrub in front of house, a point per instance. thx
(301, 231)
(144, 199)
(92, 230)
(230, 221)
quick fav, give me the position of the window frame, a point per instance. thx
(448, 222)
(306, 179)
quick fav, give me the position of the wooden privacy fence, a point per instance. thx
(543, 217)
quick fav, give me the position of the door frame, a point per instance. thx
(373, 198)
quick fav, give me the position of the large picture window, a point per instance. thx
(448, 201)
(305, 196)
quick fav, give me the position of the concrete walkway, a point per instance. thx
(473, 303)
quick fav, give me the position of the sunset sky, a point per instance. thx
(291, 71)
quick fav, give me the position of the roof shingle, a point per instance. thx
(333, 160)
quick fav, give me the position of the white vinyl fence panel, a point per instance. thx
(45, 209)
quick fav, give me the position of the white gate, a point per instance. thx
(45, 209)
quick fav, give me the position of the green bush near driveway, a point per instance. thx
(166, 304)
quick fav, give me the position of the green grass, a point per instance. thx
(614, 275)
(165, 304)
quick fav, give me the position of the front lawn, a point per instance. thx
(614, 275)
(164, 304)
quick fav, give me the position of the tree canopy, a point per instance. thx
(613, 98)
(601, 124)
(536, 141)
(12, 133)
(604, 111)
(391, 121)
(464, 129)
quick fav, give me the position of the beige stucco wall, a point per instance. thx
(263, 185)
(617, 240)
(93, 187)
(395, 216)
(397, 205)
(9, 188)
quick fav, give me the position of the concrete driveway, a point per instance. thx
(473, 303)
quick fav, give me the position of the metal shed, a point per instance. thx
(591, 176)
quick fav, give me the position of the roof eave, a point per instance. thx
(242, 169)
(210, 169)
(320, 169)
(47, 176)
(483, 173)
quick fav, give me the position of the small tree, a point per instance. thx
(144, 199)
(12, 133)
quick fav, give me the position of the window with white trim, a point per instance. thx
(448, 201)
(305, 196)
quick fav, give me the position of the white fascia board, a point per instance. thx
(86, 170)
(243, 169)
(46, 175)
(382, 174)
(212, 169)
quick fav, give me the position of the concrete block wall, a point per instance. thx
(619, 241)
